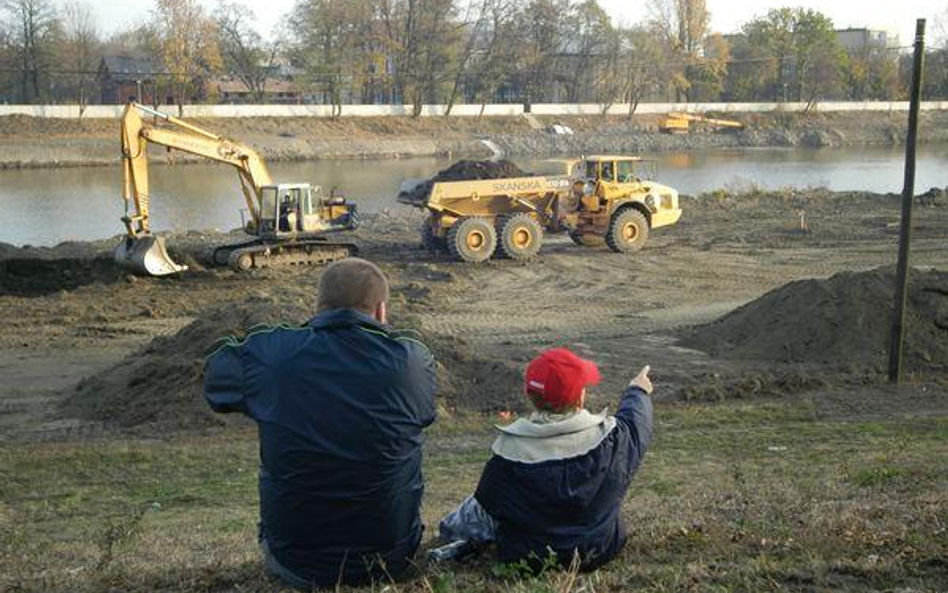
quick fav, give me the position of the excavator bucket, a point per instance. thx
(146, 255)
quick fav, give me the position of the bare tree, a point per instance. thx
(32, 28)
(683, 23)
(497, 58)
(244, 53)
(327, 38)
(706, 75)
(188, 42)
(643, 64)
(475, 21)
(544, 38)
(940, 29)
(7, 65)
(590, 34)
(683, 26)
(79, 45)
(430, 42)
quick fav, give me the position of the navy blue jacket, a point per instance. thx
(340, 404)
(572, 504)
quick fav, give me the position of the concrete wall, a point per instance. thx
(114, 111)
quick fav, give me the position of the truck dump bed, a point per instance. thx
(484, 196)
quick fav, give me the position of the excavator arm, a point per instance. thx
(141, 250)
(677, 121)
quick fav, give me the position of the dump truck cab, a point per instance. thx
(611, 188)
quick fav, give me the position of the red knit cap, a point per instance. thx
(557, 377)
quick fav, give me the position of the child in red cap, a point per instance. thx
(556, 480)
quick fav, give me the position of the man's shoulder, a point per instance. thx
(261, 336)
(407, 339)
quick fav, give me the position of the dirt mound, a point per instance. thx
(36, 277)
(470, 382)
(845, 318)
(159, 386)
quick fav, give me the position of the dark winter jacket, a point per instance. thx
(340, 404)
(557, 486)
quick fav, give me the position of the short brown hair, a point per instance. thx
(352, 283)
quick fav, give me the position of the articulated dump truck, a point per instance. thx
(596, 198)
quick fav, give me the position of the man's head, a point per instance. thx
(556, 380)
(354, 283)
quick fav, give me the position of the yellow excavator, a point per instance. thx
(287, 220)
(680, 122)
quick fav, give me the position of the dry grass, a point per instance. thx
(764, 497)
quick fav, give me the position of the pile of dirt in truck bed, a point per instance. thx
(843, 319)
(159, 386)
(466, 170)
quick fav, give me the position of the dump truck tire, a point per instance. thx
(431, 241)
(518, 236)
(472, 239)
(628, 231)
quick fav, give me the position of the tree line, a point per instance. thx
(451, 51)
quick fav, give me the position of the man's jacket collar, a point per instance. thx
(544, 439)
(345, 318)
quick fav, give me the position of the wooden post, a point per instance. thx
(908, 196)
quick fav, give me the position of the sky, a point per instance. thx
(726, 15)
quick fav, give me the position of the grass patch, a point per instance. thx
(732, 497)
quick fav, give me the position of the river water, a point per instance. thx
(46, 206)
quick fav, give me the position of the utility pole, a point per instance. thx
(908, 196)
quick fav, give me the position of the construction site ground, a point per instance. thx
(770, 473)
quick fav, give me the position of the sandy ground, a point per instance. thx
(36, 142)
(70, 316)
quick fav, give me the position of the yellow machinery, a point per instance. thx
(606, 197)
(288, 220)
(680, 123)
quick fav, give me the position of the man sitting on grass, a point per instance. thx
(340, 403)
(557, 479)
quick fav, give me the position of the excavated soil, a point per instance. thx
(34, 277)
(842, 319)
(463, 170)
(159, 386)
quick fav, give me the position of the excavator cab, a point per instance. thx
(291, 209)
(280, 209)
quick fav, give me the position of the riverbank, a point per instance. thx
(28, 142)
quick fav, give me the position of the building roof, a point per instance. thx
(128, 67)
(234, 85)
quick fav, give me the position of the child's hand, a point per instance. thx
(642, 381)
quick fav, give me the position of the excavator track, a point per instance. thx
(220, 256)
(260, 254)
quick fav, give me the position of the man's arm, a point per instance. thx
(635, 412)
(422, 382)
(224, 378)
